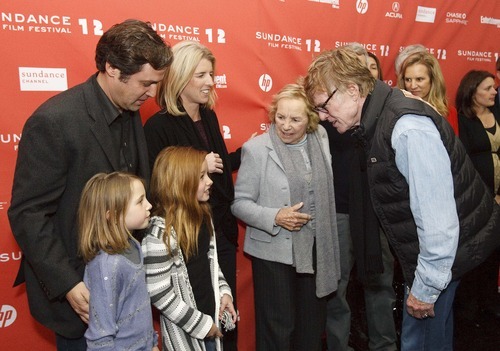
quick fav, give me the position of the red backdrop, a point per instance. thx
(48, 46)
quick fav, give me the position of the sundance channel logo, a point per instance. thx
(43, 79)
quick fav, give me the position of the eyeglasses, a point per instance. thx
(322, 107)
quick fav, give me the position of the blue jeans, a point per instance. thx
(65, 344)
(433, 333)
(210, 344)
(379, 295)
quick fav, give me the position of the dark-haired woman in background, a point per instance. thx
(479, 131)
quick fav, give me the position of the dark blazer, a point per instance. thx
(64, 143)
(478, 146)
(163, 130)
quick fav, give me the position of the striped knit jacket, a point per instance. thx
(183, 327)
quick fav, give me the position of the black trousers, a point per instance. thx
(226, 252)
(288, 315)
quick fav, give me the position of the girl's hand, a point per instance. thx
(226, 303)
(214, 332)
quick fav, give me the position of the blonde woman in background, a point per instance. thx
(421, 75)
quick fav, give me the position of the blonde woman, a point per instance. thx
(421, 75)
(187, 97)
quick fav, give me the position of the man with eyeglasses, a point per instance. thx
(434, 208)
(371, 254)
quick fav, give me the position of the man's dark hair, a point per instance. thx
(129, 45)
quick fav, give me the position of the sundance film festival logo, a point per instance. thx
(10, 139)
(265, 82)
(8, 315)
(425, 14)
(281, 41)
(477, 55)
(43, 79)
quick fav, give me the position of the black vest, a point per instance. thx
(479, 215)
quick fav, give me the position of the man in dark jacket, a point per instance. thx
(434, 208)
(93, 127)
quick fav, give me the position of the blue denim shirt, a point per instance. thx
(423, 160)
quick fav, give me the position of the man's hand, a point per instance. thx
(291, 219)
(214, 162)
(78, 298)
(419, 309)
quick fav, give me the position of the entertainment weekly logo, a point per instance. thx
(490, 20)
(220, 81)
(8, 316)
(43, 79)
(425, 14)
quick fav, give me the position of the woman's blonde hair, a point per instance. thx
(101, 214)
(437, 93)
(187, 56)
(295, 92)
(174, 187)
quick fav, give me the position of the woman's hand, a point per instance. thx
(214, 162)
(291, 219)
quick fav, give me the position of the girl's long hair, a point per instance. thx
(173, 191)
(101, 214)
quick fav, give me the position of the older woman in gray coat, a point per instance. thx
(284, 193)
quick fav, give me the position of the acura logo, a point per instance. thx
(395, 6)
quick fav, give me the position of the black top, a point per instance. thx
(198, 268)
(341, 148)
(163, 130)
(477, 144)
